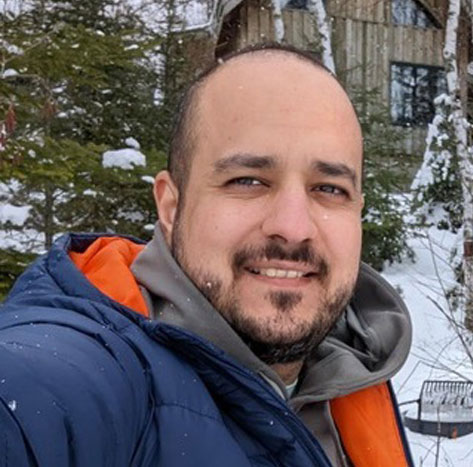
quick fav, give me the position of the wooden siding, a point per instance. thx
(364, 43)
(364, 10)
(379, 11)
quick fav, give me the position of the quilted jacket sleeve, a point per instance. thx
(72, 392)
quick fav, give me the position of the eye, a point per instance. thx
(332, 190)
(245, 181)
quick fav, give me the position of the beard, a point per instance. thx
(283, 338)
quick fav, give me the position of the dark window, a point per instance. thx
(299, 4)
(296, 4)
(413, 90)
(229, 33)
(411, 13)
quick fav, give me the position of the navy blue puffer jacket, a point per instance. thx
(87, 382)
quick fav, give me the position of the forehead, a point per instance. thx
(274, 97)
(275, 76)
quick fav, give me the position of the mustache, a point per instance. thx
(303, 253)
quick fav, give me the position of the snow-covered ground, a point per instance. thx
(437, 352)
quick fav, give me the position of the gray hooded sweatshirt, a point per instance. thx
(367, 346)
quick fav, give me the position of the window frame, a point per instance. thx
(412, 123)
(436, 24)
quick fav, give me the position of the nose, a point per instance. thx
(290, 217)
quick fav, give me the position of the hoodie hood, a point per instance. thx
(368, 344)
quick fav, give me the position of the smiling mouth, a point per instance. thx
(279, 273)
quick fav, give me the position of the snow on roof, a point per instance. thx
(125, 159)
(188, 15)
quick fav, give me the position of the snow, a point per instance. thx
(132, 143)
(158, 96)
(10, 48)
(9, 72)
(125, 159)
(450, 46)
(278, 22)
(317, 8)
(195, 13)
(424, 176)
(438, 412)
(188, 14)
(148, 179)
(15, 7)
(437, 352)
(132, 216)
(15, 215)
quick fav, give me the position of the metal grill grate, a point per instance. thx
(445, 408)
(451, 393)
(446, 400)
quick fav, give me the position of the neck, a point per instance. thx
(288, 372)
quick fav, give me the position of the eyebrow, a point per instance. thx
(248, 161)
(335, 169)
(251, 161)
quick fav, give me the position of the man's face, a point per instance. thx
(270, 227)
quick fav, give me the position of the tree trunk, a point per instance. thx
(468, 219)
(463, 154)
(48, 217)
(317, 8)
(277, 21)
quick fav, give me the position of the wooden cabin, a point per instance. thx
(390, 47)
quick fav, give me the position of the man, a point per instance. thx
(256, 257)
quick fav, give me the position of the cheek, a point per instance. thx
(218, 221)
(343, 237)
(218, 229)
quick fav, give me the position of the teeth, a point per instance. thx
(279, 273)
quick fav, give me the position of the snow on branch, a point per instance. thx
(277, 20)
(433, 157)
(125, 159)
(317, 8)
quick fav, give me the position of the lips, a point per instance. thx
(274, 262)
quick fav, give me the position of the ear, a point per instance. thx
(166, 196)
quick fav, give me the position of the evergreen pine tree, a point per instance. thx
(384, 230)
(75, 80)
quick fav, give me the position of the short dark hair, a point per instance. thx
(184, 134)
